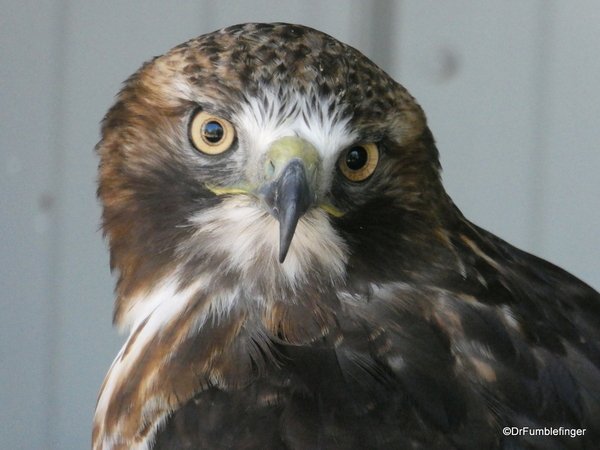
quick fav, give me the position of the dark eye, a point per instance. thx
(359, 162)
(211, 134)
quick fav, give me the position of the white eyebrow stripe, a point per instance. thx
(265, 119)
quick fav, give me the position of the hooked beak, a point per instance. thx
(287, 187)
(288, 198)
(291, 170)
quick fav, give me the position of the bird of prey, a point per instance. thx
(293, 275)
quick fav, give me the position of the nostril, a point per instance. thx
(270, 167)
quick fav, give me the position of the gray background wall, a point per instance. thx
(512, 93)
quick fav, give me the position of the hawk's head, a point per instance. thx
(272, 154)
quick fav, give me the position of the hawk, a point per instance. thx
(293, 275)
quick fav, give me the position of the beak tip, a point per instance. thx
(282, 255)
(286, 233)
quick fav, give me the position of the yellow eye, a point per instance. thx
(359, 162)
(211, 134)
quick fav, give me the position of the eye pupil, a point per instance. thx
(213, 132)
(357, 158)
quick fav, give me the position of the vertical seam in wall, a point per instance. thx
(382, 30)
(53, 322)
(538, 162)
(206, 14)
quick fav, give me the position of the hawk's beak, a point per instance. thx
(291, 171)
(286, 186)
